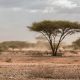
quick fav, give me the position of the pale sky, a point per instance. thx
(15, 15)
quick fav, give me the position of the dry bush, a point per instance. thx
(8, 60)
(37, 53)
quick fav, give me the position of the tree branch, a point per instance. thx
(45, 36)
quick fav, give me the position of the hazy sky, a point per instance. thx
(15, 15)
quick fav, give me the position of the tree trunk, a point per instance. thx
(53, 49)
(57, 47)
(56, 50)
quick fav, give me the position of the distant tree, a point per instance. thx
(76, 44)
(3, 47)
(9, 44)
(14, 44)
(55, 29)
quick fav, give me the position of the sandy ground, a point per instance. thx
(38, 57)
(23, 67)
(26, 64)
(36, 71)
(55, 60)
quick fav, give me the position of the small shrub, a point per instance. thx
(8, 60)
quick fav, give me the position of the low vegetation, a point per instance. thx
(39, 72)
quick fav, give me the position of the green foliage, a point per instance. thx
(50, 26)
(3, 47)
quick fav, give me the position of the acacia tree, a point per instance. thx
(55, 29)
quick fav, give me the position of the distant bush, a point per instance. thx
(4, 46)
(76, 44)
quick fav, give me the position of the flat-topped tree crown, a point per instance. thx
(52, 29)
(39, 26)
(66, 24)
(43, 26)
